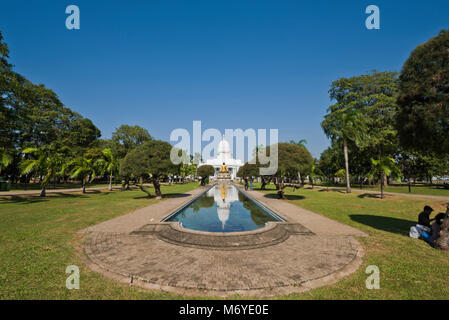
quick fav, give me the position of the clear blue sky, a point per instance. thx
(232, 64)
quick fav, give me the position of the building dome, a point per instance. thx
(224, 155)
(223, 147)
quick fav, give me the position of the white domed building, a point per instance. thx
(224, 156)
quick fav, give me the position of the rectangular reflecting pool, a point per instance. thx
(223, 208)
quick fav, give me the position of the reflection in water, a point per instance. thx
(223, 195)
(223, 209)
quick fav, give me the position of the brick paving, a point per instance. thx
(306, 251)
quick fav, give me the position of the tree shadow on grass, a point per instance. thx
(92, 191)
(389, 224)
(164, 196)
(332, 190)
(28, 199)
(371, 195)
(288, 196)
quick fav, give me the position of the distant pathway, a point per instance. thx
(62, 190)
(408, 195)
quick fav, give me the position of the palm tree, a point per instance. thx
(109, 164)
(385, 166)
(83, 168)
(44, 162)
(301, 143)
(314, 171)
(5, 159)
(348, 126)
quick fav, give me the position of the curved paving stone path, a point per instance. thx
(310, 251)
(270, 235)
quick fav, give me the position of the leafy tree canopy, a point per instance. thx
(423, 119)
(151, 158)
(126, 138)
(205, 172)
(292, 158)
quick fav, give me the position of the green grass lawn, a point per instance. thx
(409, 268)
(423, 189)
(39, 239)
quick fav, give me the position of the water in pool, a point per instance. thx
(223, 209)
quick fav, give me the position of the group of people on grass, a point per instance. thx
(250, 185)
(425, 229)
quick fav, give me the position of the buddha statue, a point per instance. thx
(224, 168)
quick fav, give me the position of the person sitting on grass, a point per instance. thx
(436, 226)
(424, 217)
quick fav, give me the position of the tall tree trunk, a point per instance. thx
(43, 192)
(157, 188)
(382, 186)
(84, 185)
(279, 187)
(345, 149)
(384, 179)
(110, 182)
(409, 186)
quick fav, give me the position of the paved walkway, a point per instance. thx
(306, 251)
(152, 213)
(407, 195)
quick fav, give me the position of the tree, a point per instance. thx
(84, 169)
(385, 166)
(301, 142)
(151, 159)
(109, 164)
(423, 117)
(314, 171)
(248, 170)
(205, 172)
(32, 116)
(346, 125)
(43, 161)
(292, 159)
(5, 159)
(330, 162)
(364, 115)
(126, 138)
